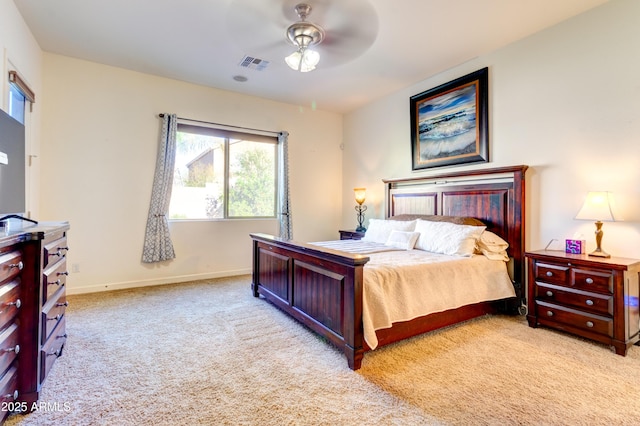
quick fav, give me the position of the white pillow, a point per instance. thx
(379, 229)
(447, 238)
(403, 240)
(492, 246)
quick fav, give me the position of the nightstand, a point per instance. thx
(350, 234)
(595, 298)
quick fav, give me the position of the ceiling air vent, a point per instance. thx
(254, 63)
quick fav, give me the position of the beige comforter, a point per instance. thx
(403, 285)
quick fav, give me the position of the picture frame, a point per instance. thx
(450, 123)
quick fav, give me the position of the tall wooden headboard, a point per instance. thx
(495, 196)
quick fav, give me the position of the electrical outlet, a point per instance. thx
(75, 268)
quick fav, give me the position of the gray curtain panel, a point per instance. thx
(157, 240)
(286, 230)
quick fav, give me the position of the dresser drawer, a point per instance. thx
(9, 347)
(53, 279)
(554, 274)
(593, 280)
(52, 350)
(9, 386)
(54, 251)
(581, 320)
(53, 313)
(592, 302)
(9, 302)
(10, 265)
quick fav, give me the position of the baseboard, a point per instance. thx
(152, 282)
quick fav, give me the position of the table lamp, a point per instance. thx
(360, 194)
(597, 206)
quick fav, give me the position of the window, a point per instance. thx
(223, 174)
(19, 95)
(16, 104)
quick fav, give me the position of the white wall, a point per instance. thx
(565, 101)
(100, 135)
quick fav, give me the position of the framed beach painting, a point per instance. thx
(449, 123)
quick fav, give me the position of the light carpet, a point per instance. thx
(210, 353)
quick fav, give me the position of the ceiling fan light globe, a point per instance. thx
(293, 60)
(310, 58)
(303, 61)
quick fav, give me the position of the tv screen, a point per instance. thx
(12, 170)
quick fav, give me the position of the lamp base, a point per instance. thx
(599, 253)
(361, 229)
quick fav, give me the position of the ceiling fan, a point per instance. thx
(304, 35)
(341, 30)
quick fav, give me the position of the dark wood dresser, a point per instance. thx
(33, 272)
(596, 298)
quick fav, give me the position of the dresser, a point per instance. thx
(33, 276)
(595, 298)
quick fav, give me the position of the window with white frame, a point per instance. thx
(223, 173)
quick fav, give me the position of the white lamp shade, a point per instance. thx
(597, 206)
(303, 61)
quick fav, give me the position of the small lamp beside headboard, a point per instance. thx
(360, 194)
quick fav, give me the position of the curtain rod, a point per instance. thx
(225, 125)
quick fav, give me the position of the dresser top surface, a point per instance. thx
(612, 261)
(30, 232)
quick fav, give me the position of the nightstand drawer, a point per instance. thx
(592, 302)
(593, 280)
(555, 274)
(560, 315)
(350, 235)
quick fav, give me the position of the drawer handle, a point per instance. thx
(589, 280)
(13, 395)
(589, 302)
(18, 265)
(57, 353)
(549, 313)
(550, 293)
(589, 324)
(15, 349)
(62, 273)
(56, 282)
(62, 336)
(56, 318)
(549, 273)
(17, 303)
(58, 253)
(62, 304)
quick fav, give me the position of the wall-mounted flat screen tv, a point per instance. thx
(12, 170)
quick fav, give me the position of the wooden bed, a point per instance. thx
(322, 288)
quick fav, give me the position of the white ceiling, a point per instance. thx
(372, 47)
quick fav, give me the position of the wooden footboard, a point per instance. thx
(321, 288)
